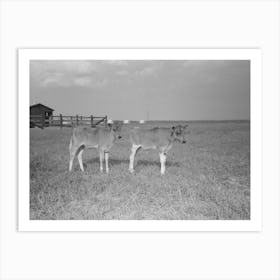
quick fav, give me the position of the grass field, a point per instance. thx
(207, 178)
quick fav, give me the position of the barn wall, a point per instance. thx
(39, 110)
(36, 111)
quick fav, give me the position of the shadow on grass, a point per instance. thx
(115, 161)
(155, 163)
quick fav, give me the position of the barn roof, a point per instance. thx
(41, 105)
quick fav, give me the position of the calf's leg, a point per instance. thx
(80, 159)
(72, 156)
(101, 159)
(107, 161)
(162, 157)
(72, 151)
(134, 149)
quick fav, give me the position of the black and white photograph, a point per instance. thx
(140, 139)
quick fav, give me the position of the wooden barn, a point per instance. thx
(42, 110)
(40, 113)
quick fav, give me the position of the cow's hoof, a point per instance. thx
(131, 170)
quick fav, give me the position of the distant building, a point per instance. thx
(41, 110)
(40, 115)
(142, 121)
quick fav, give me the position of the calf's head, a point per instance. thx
(116, 127)
(179, 133)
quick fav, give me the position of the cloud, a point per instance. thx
(83, 81)
(88, 81)
(80, 66)
(64, 66)
(62, 73)
(52, 79)
(95, 73)
(150, 69)
(82, 73)
(122, 73)
(116, 62)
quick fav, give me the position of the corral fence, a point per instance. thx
(65, 121)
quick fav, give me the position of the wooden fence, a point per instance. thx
(65, 121)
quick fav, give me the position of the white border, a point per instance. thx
(254, 55)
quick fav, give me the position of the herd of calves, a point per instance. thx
(103, 138)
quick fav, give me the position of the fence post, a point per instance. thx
(71, 118)
(91, 120)
(43, 121)
(61, 121)
(106, 120)
(50, 120)
(77, 120)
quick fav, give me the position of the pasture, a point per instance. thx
(207, 178)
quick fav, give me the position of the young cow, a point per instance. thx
(160, 139)
(101, 138)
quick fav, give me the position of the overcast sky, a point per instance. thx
(147, 89)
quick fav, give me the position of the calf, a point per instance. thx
(101, 138)
(160, 139)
